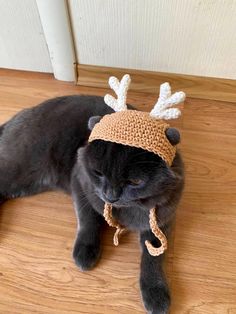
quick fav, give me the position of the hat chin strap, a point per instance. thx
(154, 251)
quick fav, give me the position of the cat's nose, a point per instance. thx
(111, 194)
(112, 200)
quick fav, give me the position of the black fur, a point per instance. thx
(46, 147)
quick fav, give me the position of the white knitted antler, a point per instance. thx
(120, 88)
(165, 101)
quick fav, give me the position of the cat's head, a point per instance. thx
(127, 176)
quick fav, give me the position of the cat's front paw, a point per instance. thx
(86, 255)
(156, 299)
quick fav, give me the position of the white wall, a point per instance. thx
(181, 36)
(22, 41)
(195, 37)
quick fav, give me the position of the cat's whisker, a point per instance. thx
(84, 205)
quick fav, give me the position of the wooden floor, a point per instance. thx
(37, 274)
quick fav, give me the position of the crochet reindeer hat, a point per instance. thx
(143, 130)
(136, 128)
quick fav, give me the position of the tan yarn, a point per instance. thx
(158, 234)
(153, 224)
(137, 129)
(112, 223)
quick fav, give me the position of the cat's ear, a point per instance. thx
(92, 121)
(173, 136)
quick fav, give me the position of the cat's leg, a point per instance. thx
(153, 285)
(87, 247)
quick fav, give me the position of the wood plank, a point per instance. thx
(147, 81)
(210, 116)
(203, 277)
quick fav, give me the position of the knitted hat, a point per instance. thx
(136, 128)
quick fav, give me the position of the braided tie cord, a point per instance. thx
(158, 234)
(153, 225)
(112, 223)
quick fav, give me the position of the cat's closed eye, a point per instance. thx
(135, 182)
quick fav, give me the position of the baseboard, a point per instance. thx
(147, 81)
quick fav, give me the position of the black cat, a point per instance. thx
(45, 148)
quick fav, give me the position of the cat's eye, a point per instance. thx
(134, 181)
(97, 173)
